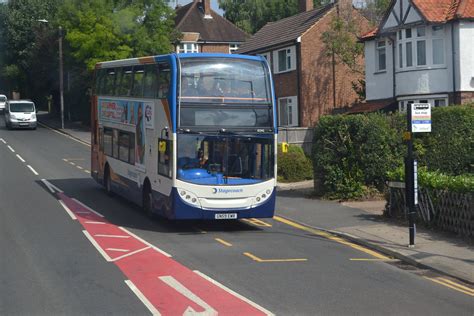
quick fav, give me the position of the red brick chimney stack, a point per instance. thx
(206, 4)
(305, 5)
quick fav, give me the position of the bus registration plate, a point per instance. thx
(225, 216)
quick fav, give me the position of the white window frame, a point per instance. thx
(427, 34)
(233, 48)
(290, 60)
(183, 48)
(431, 99)
(291, 111)
(378, 51)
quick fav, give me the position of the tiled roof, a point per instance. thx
(284, 30)
(372, 106)
(439, 11)
(371, 34)
(190, 18)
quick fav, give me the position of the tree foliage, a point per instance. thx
(252, 15)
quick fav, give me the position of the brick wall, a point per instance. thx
(316, 77)
(286, 84)
(215, 48)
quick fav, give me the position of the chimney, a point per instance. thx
(305, 5)
(206, 6)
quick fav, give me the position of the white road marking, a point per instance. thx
(111, 236)
(3, 141)
(67, 210)
(72, 163)
(96, 245)
(146, 242)
(21, 158)
(95, 223)
(10, 147)
(142, 298)
(131, 253)
(116, 249)
(79, 167)
(87, 207)
(260, 308)
(87, 171)
(180, 288)
(51, 187)
(33, 170)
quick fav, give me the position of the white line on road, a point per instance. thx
(19, 157)
(10, 147)
(131, 253)
(95, 223)
(233, 293)
(145, 242)
(87, 207)
(51, 187)
(87, 171)
(116, 249)
(79, 167)
(3, 141)
(72, 163)
(33, 170)
(67, 210)
(111, 236)
(96, 245)
(142, 298)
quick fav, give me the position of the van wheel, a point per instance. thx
(107, 182)
(147, 200)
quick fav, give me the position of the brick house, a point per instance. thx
(307, 82)
(205, 31)
(421, 52)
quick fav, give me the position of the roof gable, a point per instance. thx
(190, 19)
(284, 30)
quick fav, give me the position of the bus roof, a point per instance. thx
(155, 59)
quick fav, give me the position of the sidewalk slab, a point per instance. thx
(74, 129)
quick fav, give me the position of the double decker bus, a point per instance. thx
(187, 136)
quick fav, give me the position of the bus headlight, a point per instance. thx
(262, 197)
(189, 198)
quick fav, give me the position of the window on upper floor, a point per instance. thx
(421, 47)
(381, 56)
(233, 48)
(284, 60)
(187, 48)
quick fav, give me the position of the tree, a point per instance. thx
(252, 15)
(375, 10)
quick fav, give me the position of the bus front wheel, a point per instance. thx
(147, 200)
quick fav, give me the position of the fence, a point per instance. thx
(449, 211)
(300, 136)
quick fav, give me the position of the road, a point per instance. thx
(53, 260)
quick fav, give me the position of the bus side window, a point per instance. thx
(164, 157)
(164, 78)
(124, 87)
(115, 141)
(138, 74)
(101, 139)
(107, 141)
(109, 84)
(150, 81)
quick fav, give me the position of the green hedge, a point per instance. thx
(353, 153)
(294, 166)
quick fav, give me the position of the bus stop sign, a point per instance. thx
(421, 118)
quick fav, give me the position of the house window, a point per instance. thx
(284, 60)
(440, 102)
(409, 54)
(287, 111)
(435, 101)
(421, 46)
(188, 48)
(421, 53)
(233, 48)
(381, 56)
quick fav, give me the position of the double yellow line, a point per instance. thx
(452, 285)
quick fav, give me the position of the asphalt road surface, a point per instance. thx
(68, 248)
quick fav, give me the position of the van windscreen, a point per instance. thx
(3, 99)
(22, 107)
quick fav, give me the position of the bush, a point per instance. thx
(294, 165)
(353, 153)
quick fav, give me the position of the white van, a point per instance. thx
(3, 101)
(20, 114)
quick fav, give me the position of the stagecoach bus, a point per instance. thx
(187, 136)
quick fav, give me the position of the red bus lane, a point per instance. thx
(165, 286)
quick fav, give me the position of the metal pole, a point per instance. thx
(410, 186)
(61, 85)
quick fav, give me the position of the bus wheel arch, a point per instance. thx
(147, 198)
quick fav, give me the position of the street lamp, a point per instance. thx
(61, 84)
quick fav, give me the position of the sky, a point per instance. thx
(214, 5)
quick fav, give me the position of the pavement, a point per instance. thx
(360, 222)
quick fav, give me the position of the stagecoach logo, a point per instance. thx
(226, 191)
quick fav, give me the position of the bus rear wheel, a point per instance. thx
(147, 200)
(107, 182)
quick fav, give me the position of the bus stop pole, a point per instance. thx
(410, 180)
